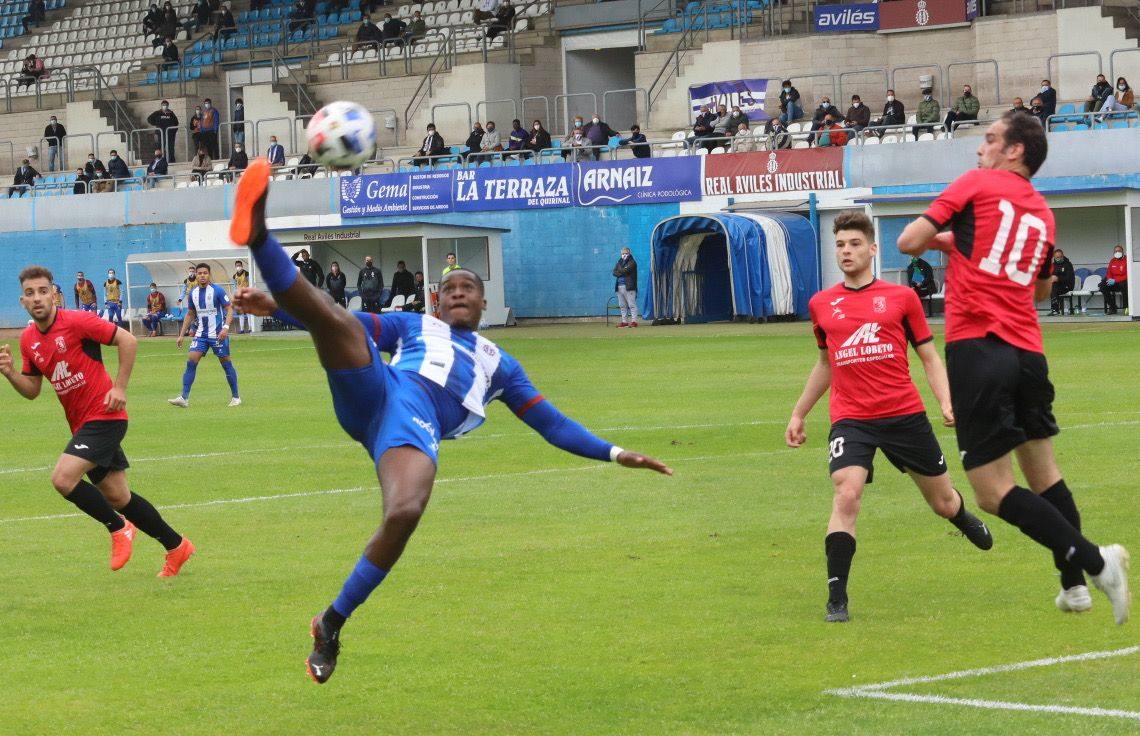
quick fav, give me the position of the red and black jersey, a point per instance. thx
(68, 355)
(865, 333)
(1003, 243)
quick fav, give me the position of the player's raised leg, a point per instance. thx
(406, 476)
(945, 501)
(67, 478)
(339, 338)
(839, 544)
(143, 515)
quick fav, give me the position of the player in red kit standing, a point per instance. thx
(63, 346)
(1000, 246)
(863, 327)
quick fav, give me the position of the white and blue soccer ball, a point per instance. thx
(341, 135)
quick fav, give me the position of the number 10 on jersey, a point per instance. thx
(1005, 258)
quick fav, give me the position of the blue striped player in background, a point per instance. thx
(209, 304)
(441, 376)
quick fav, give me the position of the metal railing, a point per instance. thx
(545, 118)
(440, 63)
(1064, 54)
(11, 154)
(974, 62)
(1130, 118)
(464, 105)
(514, 108)
(942, 88)
(856, 72)
(1112, 60)
(305, 103)
(631, 90)
(566, 118)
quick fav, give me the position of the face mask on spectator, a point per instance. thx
(53, 121)
(1058, 258)
(577, 123)
(786, 88)
(856, 104)
(1118, 254)
(594, 120)
(205, 105)
(154, 291)
(890, 98)
(1122, 87)
(91, 159)
(113, 156)
(928, 98)
(197, 111)
(736, 111)
(1044, 88)
(166, 107)
(273, 141)
(110, 274)
(966, 93)
(237, 148)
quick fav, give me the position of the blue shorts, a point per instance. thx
(205, 344)
(93, 307)
(381, 408)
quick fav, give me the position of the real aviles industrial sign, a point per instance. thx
(546, 186)
(846, 18)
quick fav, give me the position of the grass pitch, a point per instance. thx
(544, 593)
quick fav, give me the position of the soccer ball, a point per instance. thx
(341, 135)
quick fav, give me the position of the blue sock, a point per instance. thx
(276, 269)
(231, 377)
(188, 378)
(359, 585)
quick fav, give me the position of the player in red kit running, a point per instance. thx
(1000, 247)
(863, 327)
(63, 346)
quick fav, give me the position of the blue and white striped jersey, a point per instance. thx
(209, 303)
(467, 365)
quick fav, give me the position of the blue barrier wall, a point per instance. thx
(92, 251)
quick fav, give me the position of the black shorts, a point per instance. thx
(100, 443)
(1002, 398)
(907, 441)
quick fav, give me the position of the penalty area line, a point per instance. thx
(879, 691)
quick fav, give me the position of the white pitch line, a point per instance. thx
(358, 489)
(877, 691)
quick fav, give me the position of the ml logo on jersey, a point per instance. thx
(868, 334)
(63, 380)
(61, 372)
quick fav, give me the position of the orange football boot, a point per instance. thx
(248, 222)
(176, 558)
(122, 544)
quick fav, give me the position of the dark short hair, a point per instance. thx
(451, 254)
(467, 272)
(1025, 129)
(400, 263)
(36, 272)
(854, 220)
(419, 273)
(203, 265)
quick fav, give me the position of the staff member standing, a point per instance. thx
(370, 284)
(310, 269)
(85, 299)
(335, 282)
(625, 284)
(113, 298)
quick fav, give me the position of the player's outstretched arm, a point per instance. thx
(936, 377)
(26, 386)
(918, 236)
(128, 345)
(818, 381)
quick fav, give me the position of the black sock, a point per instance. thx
(91, 502)
(146, 517)
(1062, 499)
(1043, 523)
(963, 515)
(839, 548)
(333, 620)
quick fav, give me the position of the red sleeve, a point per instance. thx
(88, 325)
(952, 200)
(914, 321)
(29, 368)
(820, 335)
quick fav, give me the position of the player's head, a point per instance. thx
(202, 273)
(855, 246)
(36, 290)
(1015, 142)
(461, 299)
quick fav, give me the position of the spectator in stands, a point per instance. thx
(54, 134)
(920, 277)
(239, 160)
(226, 25)
(165, 123)
(155, 310)
(778, 135)
(735, 119)
(858, 115)
(305, 167)
(1064, 281)
(625, 287)
(1121, 100)
(419, 300)
(276, 152)
(719, 125)
(821, 112)
(31, 71)
(1037, 110)
(485, 10)
(170, 55)
(964, 108)
(743, 140)
(101, 179)
(336, 282)
(299, 17)
(156, 168)
(574, 143)
(403, 283)
(929, 112)
(432, 146)
(370, 285)
(152, 20)
(200, 165)
(417, 29)
(599, 134)
(474, 142)
(831, 132)
(310, 269)
(37, 12)
(539, 139)
(1019, 106)
(1100, 92)
(367, 35)
(894, 113)
(504, 17)
(24, 180)
(1048, 97)
(790, 109)
(82, 182)
(201, 14)
(1115, 281)
(392, 32)
(635, 138)
(702, 126)
(117, 167)
(211, 121)
(237, 117)
(170, 25)
(92, 164)
(516, 139)
(490, 143)
(196, 128)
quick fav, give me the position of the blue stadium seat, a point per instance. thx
(1067, 109)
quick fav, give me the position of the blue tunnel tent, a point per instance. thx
(724, 266)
